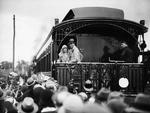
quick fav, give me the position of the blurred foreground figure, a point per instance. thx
(141, 104)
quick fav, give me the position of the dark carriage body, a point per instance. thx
(94, 28)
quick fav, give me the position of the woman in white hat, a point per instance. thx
(63, 55)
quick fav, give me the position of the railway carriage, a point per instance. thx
(94, 28)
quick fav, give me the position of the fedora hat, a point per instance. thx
(1, 94)
(141, 104)
(71, 40)
(27, 106)
(30, 82)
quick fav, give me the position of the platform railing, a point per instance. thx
(102, 75)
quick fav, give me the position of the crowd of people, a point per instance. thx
(47, 96)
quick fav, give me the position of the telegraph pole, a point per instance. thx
(14, 33)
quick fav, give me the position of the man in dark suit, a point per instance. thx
(126, 54)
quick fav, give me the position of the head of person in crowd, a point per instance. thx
(45, 99)
(116, 95)
(72, 104)
(30, 82)
(18, 95)
(9, 93)
(37, 90)
(102, 95)
(11, 104)
(24, 88)
(27, 106)
(117, 106)
(141, 104)
(51, 86)
(62, 88)
(91, 99)
(83, 96)
(34, 76)
(59, 97)
(95, 108)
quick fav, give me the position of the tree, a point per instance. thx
(5, 68)
(6, 65)
(22, 67)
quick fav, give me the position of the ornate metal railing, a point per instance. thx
(101, 75)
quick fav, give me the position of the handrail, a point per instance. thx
(99, 63)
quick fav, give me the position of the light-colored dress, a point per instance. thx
(63, 57)
(74, 55)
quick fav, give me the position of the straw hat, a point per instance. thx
(30, 82)
(27, 106)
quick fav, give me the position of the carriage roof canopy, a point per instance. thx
(93, 12)
(111, 15)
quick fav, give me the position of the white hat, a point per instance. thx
(64, 46)
(27, 106)
(73, 103)
(30, 81)
(48, 110)
(83, 95)
(13, 74)
(50, 85)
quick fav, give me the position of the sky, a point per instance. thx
(35, 18)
